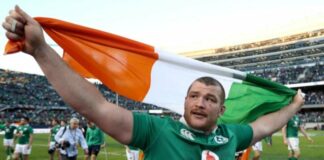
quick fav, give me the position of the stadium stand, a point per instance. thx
(31, 95)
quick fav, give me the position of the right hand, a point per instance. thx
(26, 29)
(285, 142)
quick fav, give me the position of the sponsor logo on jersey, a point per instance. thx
(187, 134)
(208, 155)
(220, 139)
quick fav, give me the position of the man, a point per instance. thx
(62, 123)
(69, 137)
(25, 139)
(95, 140)
(8, 143)
(132, 153)
(196, 136)
(257, 149)
(51, 139)
(290, 137)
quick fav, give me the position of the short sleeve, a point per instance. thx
(243, 134)
(31, 131)
(145, 129)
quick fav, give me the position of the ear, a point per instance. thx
(223, 109)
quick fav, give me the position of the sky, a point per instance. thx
(173, 25)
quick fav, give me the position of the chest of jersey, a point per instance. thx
(181, 142)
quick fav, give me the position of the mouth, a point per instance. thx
(198, 114)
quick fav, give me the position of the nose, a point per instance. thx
(200, 103)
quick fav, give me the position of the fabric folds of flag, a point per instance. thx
(143, 73)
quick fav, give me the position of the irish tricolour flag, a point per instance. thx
(143, 73)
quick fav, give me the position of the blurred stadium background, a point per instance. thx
(296, 61)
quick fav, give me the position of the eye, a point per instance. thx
(211, 99)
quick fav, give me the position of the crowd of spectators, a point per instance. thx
(312, 116)
(40, 117)
(293, 75)
(271, 57)
(280, 63)
(314, 97)
(293, 42)
(31, 95)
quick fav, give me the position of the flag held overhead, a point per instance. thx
(141, 72)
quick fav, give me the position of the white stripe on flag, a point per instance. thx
(171, 76)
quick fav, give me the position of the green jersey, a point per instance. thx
(54, 130)
(293, 127)
(169, 139)
(26, 131)
(94, 136)
(9, 131)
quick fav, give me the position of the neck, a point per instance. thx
(71, 128)
(207, 132)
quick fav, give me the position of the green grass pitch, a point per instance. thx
(116, 151)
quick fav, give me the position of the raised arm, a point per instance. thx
(75, 91)
(270, 123)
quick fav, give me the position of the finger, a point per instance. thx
(23, 14)
(301, 93)
(19, 27)
(14, 37)
(15, 15)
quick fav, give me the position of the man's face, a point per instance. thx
(54, 122)
(74, 124)
(23, 121)
(203, 106)
(91, 124)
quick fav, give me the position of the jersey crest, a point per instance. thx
(187, 134)
(208, 155)
(220, 139)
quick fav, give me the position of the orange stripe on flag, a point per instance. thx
(77, 66)
(121, 64)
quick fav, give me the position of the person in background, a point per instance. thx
(8, 140)
(290, 137)
(51, 139)
(132, 153)
(68, 138)
(95, 140)
(25, 139)
(257, 149)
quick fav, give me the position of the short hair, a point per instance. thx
(74, 120)
(25, 118)
(210, 81)
(56, 120)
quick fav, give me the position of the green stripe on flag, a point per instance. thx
(253, 98)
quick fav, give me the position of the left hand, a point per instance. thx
(310, 139)
(86, 151)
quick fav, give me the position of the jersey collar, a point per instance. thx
(183, 121)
